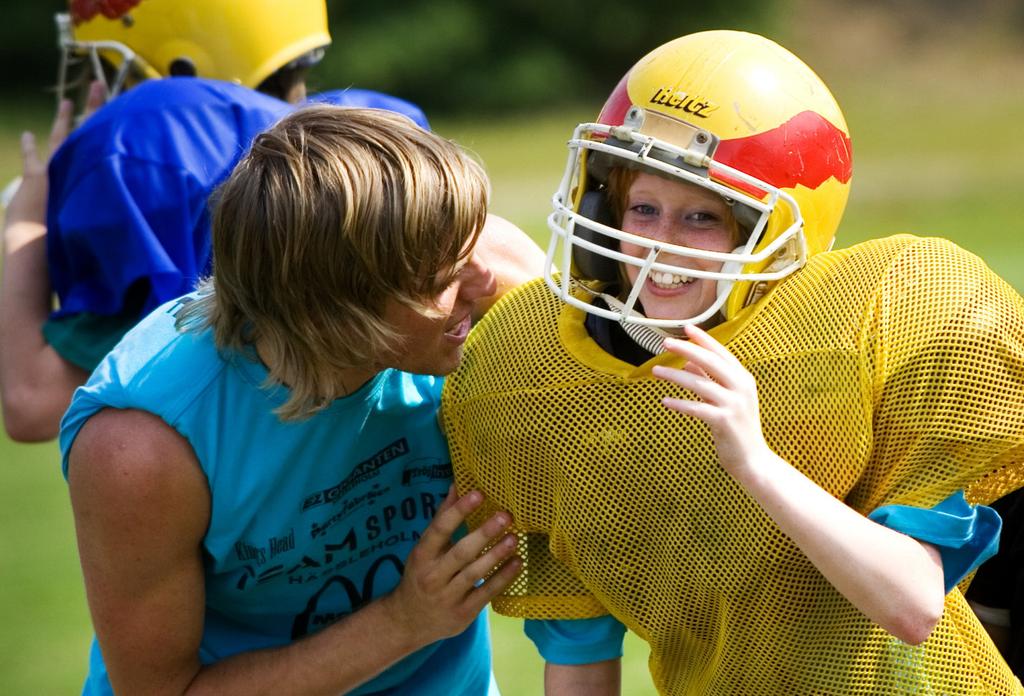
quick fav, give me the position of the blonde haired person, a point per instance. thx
(710, 429)
(260, 487)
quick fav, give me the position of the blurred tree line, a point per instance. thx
(472, 56)
(475, 56)
(445, 55)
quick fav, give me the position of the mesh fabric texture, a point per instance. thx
(889, 373)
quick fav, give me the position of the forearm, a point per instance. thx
(439, 596)
(332, 661)
(36, 383)
(595, 679)
(25, 290)
(891, 578)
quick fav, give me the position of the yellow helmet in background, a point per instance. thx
(730, 111)
(241, 42)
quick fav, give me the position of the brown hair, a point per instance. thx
(333, 212)
(617, 191)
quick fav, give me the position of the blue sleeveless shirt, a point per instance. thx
(309, 520)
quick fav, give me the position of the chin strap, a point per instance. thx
(650, 338)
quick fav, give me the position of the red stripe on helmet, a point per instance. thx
(614, 111)
(807, 149)
(84, 10)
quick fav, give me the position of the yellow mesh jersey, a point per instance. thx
(891, 372)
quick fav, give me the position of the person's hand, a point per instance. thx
(441, 590)
(28, 203)
(728, 398)
(28, 200)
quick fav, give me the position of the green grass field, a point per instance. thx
(926, 162)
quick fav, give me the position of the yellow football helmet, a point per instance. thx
(241, 42)
(730, 111)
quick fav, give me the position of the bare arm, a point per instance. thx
(510, 254)
(36, 383)
(141, 508)
(893, 579)
(595, 679)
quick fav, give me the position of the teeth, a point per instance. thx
(669, 280)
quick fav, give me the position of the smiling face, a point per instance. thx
(431, 343)
(684, 215)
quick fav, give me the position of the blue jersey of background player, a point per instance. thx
(128, 224)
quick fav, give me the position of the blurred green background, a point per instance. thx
(933, 92)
